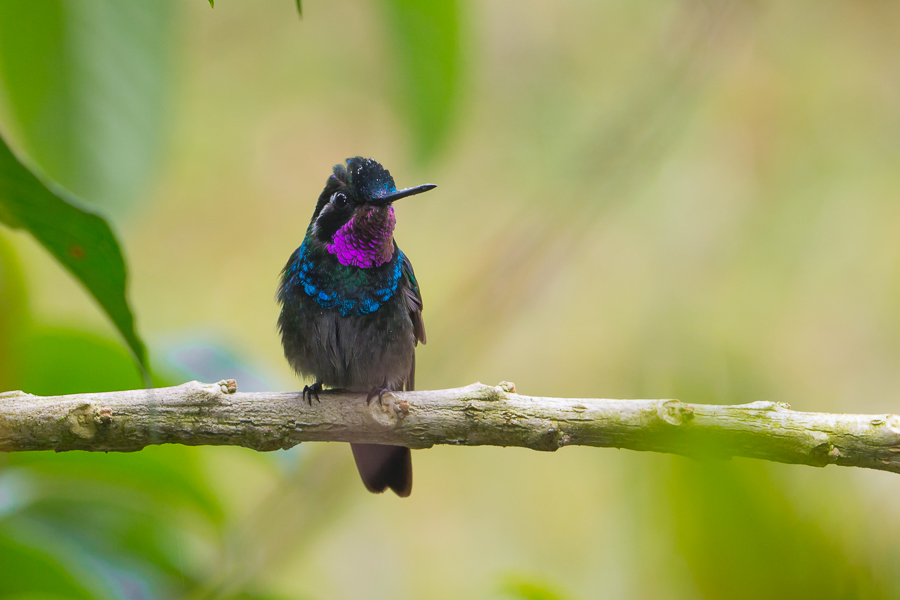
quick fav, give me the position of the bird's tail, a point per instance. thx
(383, 467)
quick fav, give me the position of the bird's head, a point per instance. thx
(354, 217)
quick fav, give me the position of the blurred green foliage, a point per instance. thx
(689, 199)
(741, 538)
(13, 313)
(84, 94)
(84, 525)
(426, 39)
(86, 90)
(527, 588)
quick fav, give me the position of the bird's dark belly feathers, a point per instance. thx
(357, 352)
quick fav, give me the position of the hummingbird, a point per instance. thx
(351, 309)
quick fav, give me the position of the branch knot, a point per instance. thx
(675, 412)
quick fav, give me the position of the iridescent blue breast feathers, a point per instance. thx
(348, 289)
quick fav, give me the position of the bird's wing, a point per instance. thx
(413, 298)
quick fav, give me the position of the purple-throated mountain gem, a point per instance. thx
(351, 310)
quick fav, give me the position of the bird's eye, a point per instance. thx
(339, 199)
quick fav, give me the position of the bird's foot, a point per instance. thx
(376, 391)
(309, 391)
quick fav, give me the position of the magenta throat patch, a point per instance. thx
(366, 240)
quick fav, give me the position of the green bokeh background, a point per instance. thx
(636, 199)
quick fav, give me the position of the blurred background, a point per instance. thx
(690, 199)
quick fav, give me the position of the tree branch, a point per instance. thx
(216, 414)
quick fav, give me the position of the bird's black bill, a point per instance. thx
(393, 196)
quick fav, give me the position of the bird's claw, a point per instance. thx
(310, 391)
(376, 392)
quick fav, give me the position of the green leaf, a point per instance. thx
(300, 8)
(81, 240)
(84, 88)
(426, 37)
(212, 3)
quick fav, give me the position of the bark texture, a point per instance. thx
(217, 414)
